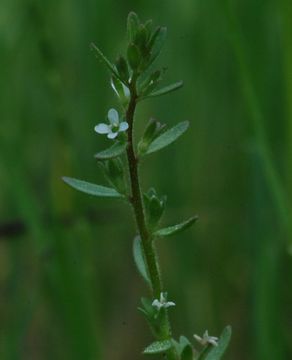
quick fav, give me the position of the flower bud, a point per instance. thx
(154, 207)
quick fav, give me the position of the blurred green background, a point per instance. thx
(68, 285)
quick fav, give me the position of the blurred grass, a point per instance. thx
(69, 288)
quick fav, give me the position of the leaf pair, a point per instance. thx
(118, 149)
(150, 143)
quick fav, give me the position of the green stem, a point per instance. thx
(138, 207)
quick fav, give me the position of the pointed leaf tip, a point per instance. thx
(165, 90)
(175, 229)
(139, 259)
(168, 137)
(104, 59)
(91, 189)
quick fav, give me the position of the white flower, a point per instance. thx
(115, 126)
(206, 339)
(162, 303)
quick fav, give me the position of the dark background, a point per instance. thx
(68, 285)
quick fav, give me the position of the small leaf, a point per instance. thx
(133, 23)
(121, 90)
(104, 59)
(187, 353)
(156, 42)
(139, 259)
(168, 137)
(115, 150)
(141, 38)
(165, 90)
(171, 230)
(183, 341)
(134, 56)
(147, 305)
(122, 68)
(158, 347)
(91, 189)
(216, 352)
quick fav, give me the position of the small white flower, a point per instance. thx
(162, 303)
(114, 127)
(206, 339)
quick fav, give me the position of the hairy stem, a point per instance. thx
(138, 207)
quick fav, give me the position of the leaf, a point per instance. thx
(92, 189)
(184, 348)
(171, 230)
(115, 150)
(139, 259)
(133, 23)
(168, 137)
(156, 42)
(165, 90)
(147, 307)
(134, 56)
(158, 347)
(216, 352)
(122, 68)
(104, 59)
(187, 353)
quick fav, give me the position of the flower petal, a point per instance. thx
(156, 303)
(112, 135)
(162, 298)
(123, 126)
(102, 128)
(169, 303)
(198, 338)
(113, 117)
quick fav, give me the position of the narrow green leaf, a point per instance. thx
(139, 259)
(171, 230)
(134, 56)
(91, 189)
(115, 150)
(168, 137)
(156, 42)
(103, 58)
(216, 352)
(165, 90)
(122, 68)
(133, 23)
(158, 347)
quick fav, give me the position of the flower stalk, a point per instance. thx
(138, 208)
